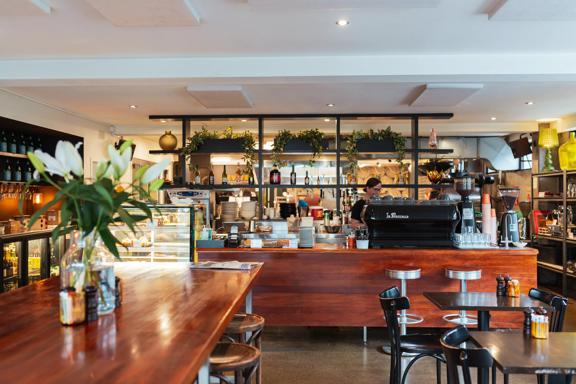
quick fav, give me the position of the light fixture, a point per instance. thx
(327, 120)
(342, 22)
(529, 103)
(163, 121)
(244, 120)
(547, 139)
(133, 106)
(493, 118)
(330, 105)
(37, 198)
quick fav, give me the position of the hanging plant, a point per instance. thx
(376, 135)
(249, 148)
(312, 137)
(196, 140)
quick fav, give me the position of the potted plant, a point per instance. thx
(310, 140)
(204, 141)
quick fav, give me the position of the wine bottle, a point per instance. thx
(238, 179)
(307, 179)
(12, 147)
(22, 145)
(38, 144)
(7, 174)
(211, 177)
(3, 142)
(28, 173)
(224, 176)
(197, 179)
(293, 176)
(30, 146)
(275, 177)
(251, 180)
(17, 176)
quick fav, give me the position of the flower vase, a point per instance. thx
(88, 262)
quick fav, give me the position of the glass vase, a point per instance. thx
(567, 154)
(88, 262)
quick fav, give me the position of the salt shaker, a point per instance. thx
(528, 313)
(507, 283)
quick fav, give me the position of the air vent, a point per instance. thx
(444, 95)
(220, 96)
(148, 13)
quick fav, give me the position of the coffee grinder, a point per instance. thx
(509, 223)
(464, 185)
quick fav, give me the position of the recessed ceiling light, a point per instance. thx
(244, 120)
(133, 106)
(493, 118)
(327, 120)
(163, 121)
(529, 103)
(330, 105)
(342, 22)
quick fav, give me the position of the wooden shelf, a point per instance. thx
(551, 267)
(552, 238)
(14, 155)
(548, 174)
(164, 152)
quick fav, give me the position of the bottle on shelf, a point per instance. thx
(251, 180)
(3, 142)
(197, 179)
(28, 173)
(7, 171)
(307, 179)
(21, 144)
(17, 173)
(318, 180)
(211, 177)
(275, 177)
(224, 176)
(30, 145)
(293, 176)
(38, 144)
(12, 147)
(238, 178)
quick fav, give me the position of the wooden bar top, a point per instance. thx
(170, 320)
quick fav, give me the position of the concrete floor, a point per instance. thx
(301, 355)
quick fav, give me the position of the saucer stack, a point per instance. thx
(248, 210)
(229, 210)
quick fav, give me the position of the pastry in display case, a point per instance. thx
(167, 237)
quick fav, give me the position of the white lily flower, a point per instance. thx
(119, 161)
(36, 176)
(67, 154)
(53, 166)
(154, 171)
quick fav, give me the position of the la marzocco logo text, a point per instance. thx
(394, 215)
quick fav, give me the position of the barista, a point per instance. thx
(373, 188)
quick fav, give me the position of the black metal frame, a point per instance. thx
(415, 150)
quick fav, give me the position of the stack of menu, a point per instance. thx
(224, 265)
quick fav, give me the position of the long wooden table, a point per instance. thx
(164, 332)
(331, 286)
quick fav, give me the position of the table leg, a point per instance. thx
(483, 320)
(249, 302)
(483, 325)
(505, 378)
(204, 373)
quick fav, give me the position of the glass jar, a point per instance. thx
(102, 276)
(567, 153)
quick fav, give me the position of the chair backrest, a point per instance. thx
(558, 303)
(391, 303)
(456, 356)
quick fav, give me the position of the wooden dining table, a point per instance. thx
(169, 322)
(515, 353)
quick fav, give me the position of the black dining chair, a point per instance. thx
(420, 345)
(559, 305)
(459, 353)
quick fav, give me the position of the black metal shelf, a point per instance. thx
(211, 187)
(164, 152)
(551, 199)
(548, 174)
(309, 186)
(551, 267)
(552, 238)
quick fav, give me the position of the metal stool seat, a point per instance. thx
(403, 274)
(463, 274)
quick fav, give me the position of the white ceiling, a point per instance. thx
(291, 57)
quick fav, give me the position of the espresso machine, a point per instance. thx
(509, 223)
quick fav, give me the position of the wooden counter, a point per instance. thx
(331, 286)
(165, 330)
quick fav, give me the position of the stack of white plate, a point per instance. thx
(248, 210)
(229, 210)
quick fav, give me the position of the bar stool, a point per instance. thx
(463, 274)
(247, 328)
(243, 359)
(403, 274)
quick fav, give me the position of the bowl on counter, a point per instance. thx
(332, 228)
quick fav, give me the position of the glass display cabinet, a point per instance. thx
(29, 257)
(165, 238)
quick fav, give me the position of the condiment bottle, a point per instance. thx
(120, 290)
(500, 286)
(351, 241)
(528, 313)
(72, 306)
(91, 303)
(507, 280)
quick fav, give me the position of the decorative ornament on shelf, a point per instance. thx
(168, 141)
(567, 153)
(433, 139)
(547, 139)
(91, 209)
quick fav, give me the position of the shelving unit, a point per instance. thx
(566, 247)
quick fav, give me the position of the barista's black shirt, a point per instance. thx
(357, 209)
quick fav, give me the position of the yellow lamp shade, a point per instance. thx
(547, 136)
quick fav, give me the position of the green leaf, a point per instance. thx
(155, 185)
(142, 206)
(127, 219)
(110, 241)
(140, 172)
(125, 145)
(104, 194)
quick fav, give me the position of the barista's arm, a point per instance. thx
(356, 213)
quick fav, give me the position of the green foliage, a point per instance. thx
(312, 137)
(196, 140)
(378, 135)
